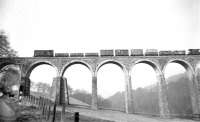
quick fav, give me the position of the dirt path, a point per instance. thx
(88, 115)
(120, 116)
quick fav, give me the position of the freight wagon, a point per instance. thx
(151, 52)
(165, 53)
(121, 52)
(193, 52)
(91, 54)
(61, 54)
(76, 54)
(137, 52)
(43, 53)
(179, 52)
(106, 52)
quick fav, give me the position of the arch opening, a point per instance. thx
(179, 79)
(111, 86)
(145, 88)
(147, 63)
(79, 83)
(40, 79)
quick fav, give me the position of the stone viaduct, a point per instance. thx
(94, 61)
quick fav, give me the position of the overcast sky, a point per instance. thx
(91, 25)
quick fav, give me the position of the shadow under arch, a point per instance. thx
(191, 82)
(183, 63)
(149, 62)
(73, 63)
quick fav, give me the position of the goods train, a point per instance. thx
(118, 52)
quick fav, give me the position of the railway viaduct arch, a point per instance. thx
(94, 63)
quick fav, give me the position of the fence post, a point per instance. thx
(28, 100)
(40, 103)
(46, 111)
(31, 99)
(49, 112)
(25, 100)
(54, 113)
(36, 101)
(43, 109)
(63, 113)
(76, 117)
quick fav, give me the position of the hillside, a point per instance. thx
(146, 99)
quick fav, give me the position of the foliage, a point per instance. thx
(103, 103)
(5, 49)
(117, 101)
(70, 90)
(179, 95)
(146, 99)
(9, 76)
(43, 87)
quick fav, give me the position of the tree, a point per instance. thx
(103, 103)
(70, 90)
(43, 87)
(5, 49)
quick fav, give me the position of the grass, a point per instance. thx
(31, 114)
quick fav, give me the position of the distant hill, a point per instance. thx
(117, 101)
(178, 77)
(179, 94)
(146, 99)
